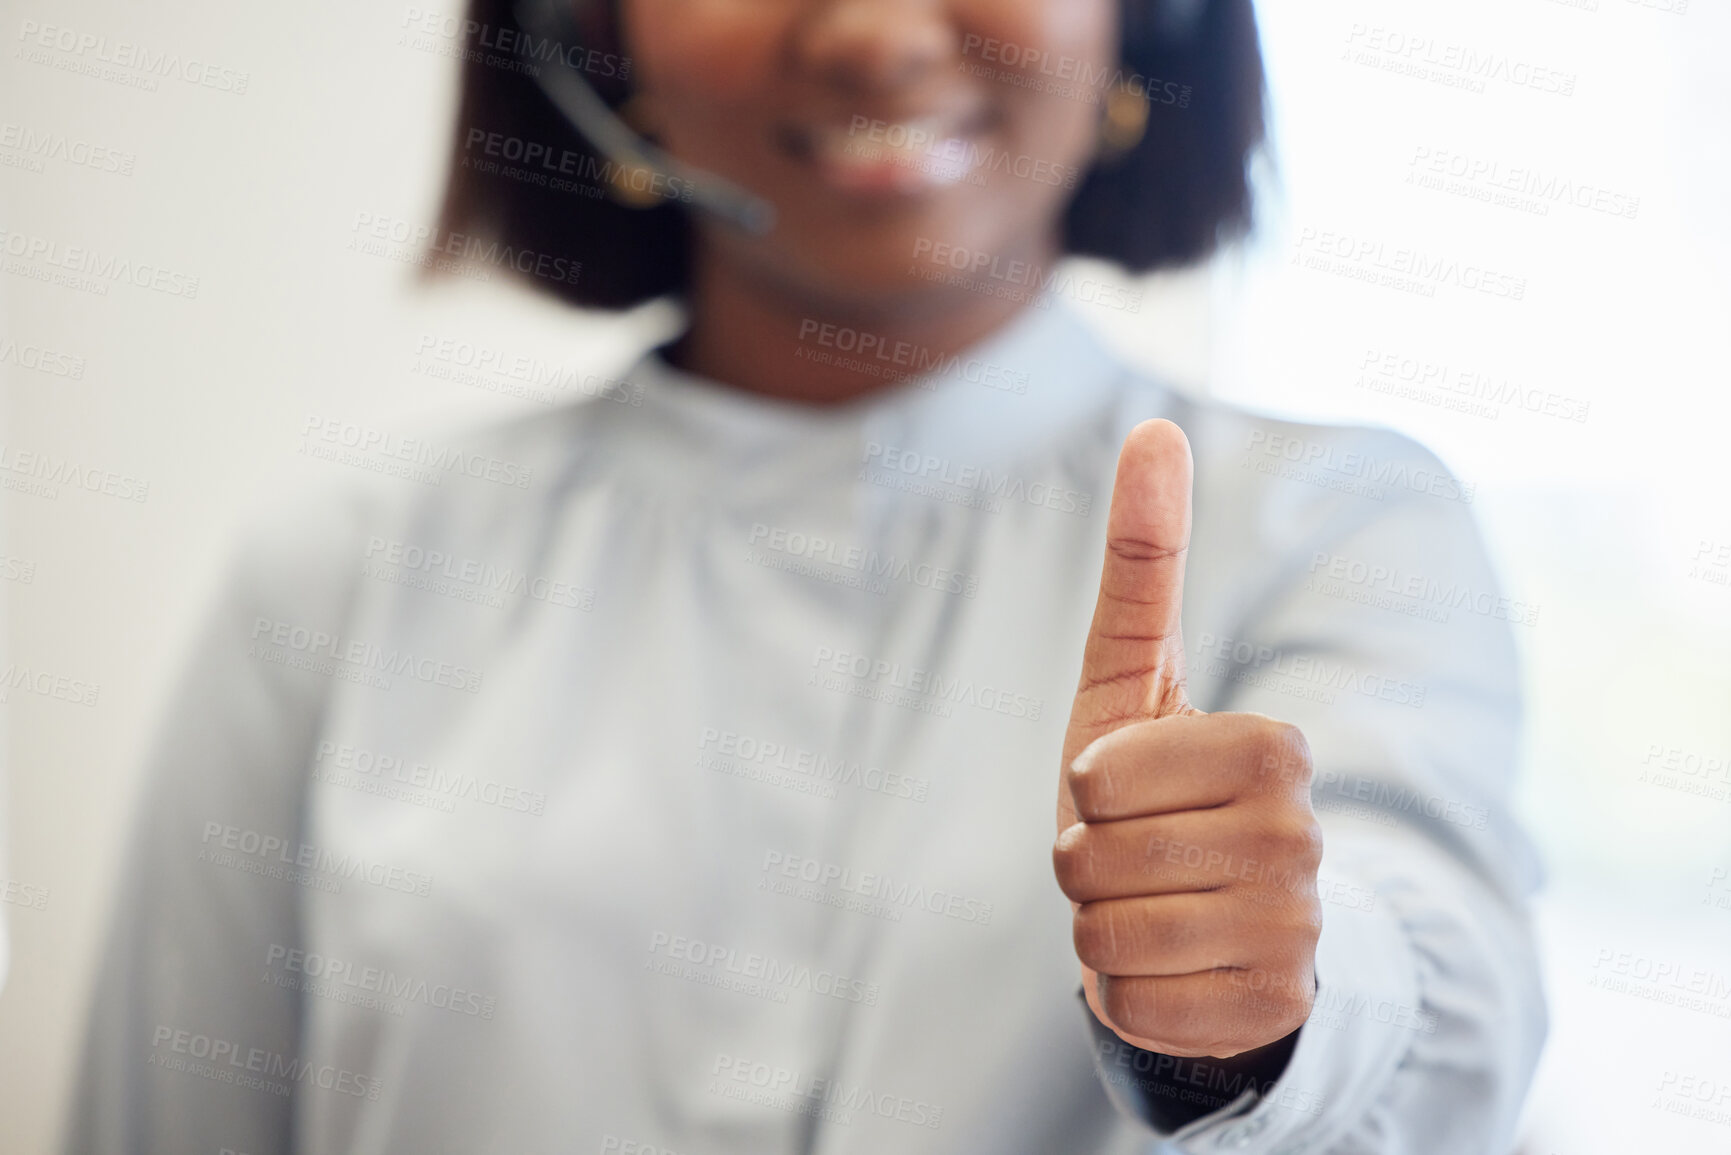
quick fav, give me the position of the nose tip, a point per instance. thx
(859, 45)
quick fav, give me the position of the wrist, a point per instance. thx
(1172, 1091)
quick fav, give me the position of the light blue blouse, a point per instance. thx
(675, 773)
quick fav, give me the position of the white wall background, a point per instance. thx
(1618, 527)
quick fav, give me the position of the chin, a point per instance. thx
(883, 284)
(886, 264)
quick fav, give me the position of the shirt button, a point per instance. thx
(1243, 1133)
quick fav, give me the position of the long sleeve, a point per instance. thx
(189, 1047)
(1381, 634)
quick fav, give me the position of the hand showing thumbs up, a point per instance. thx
(1186, 841)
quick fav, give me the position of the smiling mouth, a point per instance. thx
(877, 157)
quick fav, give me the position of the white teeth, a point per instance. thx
(927, 148)
(902, 136)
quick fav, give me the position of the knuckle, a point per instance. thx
(1082, 787)
(1097, 938)
(1293, 839)
(1131, 548)
(1291, 957)
(1267, 841)
(1309, 928)
(1181, 1025)
(1123, 935)
(1294, 755)
(1125, 1006)
(1283, 1015)
(1267, 995)
(1296, 924)
(1244, 995)
(1090, 787)
(1282, 753)
(1114, 936)
(1073, 862)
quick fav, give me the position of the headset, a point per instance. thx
(576, 99)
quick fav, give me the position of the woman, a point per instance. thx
(675, 775)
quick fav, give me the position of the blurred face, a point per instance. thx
(879, 129)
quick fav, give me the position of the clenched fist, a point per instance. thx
(1186, 841)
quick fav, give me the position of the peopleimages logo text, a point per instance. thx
(154, 64)
(884, 675)
(237, 1062)
(276, 850)
(998, 485)
(364, 655)
(884, 888)
(319, 431)
(814, 547)
(1394, 473)
(835, 1096)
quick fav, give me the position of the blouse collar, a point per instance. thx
(1003, 397)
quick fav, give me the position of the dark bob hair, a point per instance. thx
(522, 178)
